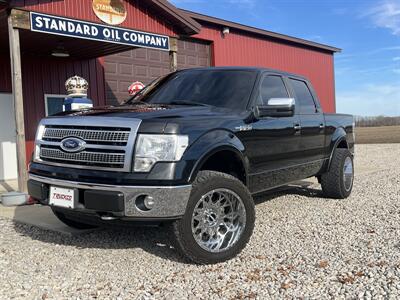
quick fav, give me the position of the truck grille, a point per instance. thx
(84, 157)
(107, 147)
(119, 135)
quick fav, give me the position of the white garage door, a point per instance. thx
(8, 154)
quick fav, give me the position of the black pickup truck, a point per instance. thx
(190, 150)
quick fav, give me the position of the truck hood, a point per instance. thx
(161, 118)
(154, 111)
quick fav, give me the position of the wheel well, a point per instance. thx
(342, 144)
(226, 161)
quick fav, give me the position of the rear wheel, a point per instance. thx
(218, 221)
(71, 222)
(338, 181)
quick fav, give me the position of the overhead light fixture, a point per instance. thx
(60, 52)
(225, 31)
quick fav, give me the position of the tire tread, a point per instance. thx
(184, 247)
(331, 181)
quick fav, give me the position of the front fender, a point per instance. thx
(209, 144)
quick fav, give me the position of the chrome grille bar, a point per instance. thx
(87, 135)
(84, 156)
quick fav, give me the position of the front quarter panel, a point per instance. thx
(207, 145)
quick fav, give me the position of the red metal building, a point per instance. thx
(111, 64)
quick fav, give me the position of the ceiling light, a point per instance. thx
(60, 52)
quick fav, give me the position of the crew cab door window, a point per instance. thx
(303, 97)
(312, 142)
(272, 86)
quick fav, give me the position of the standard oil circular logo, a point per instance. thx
(112, 12)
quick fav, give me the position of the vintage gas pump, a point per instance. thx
(77, 94)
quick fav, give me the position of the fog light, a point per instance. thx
(144, 202)
(149, 202)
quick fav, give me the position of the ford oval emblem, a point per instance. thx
(72, 144)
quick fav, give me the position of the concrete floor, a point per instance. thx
(8, 186)
(39, 216)
(35, 215)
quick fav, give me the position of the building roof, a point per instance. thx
(188, 22)
(189, 25)
(164, 9)
(258, 31)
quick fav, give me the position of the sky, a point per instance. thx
(367, 71)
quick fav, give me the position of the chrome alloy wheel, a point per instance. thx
(218, 220)
(348, 173)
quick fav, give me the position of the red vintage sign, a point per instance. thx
(135, 87)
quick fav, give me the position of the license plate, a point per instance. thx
(62, 197)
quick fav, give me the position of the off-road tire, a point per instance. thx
(332, 181)
(205, 182)
(70, 222)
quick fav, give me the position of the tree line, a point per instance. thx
(376, 121)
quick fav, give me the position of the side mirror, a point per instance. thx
(277, 107)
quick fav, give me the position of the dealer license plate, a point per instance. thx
(62, 197)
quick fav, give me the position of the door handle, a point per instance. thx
(297, 127)
(321, 126)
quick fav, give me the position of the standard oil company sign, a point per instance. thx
(98, 32)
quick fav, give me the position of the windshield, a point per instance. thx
(221, 88)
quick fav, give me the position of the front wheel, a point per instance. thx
(218, 221)
(338, 181)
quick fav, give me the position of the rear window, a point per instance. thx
(303, 96)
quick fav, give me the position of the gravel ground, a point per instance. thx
(303, 246)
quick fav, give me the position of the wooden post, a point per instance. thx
(16, 76)
(173, 54)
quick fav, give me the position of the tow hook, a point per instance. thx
(108, 217)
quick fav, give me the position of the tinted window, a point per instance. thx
(222, 88)
(272, 87)
(54, 105)
(303, 96)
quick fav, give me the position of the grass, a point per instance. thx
(378, 135)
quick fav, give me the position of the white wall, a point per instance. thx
(8, 150)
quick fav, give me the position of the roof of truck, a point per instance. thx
(252, 69)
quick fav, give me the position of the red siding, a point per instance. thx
(240, 49)
(138, 16)
(5, 73)
(47, 76)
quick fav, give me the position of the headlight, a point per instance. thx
(39, 135)
(151, 148)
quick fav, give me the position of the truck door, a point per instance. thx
(272, 145)
(312, 124)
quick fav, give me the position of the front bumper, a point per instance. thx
(119, 201)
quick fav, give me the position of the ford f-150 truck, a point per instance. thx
(191, 150)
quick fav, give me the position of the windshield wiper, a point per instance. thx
(185, 102)
(136, 102)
